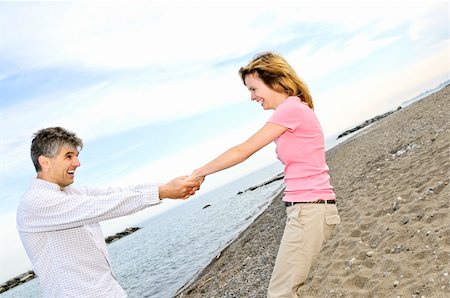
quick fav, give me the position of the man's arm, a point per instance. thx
(46, 210)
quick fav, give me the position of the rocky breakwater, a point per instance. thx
(126, 232)
(366, 123)
(275, 178)
(29, 275)
(14, 282)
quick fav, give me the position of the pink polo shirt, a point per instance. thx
(302, 151)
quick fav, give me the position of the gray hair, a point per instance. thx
(48, 142)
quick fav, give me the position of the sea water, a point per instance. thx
(173, 248)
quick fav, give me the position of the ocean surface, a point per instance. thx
(172, 248)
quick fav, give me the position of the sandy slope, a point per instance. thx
(394, 199)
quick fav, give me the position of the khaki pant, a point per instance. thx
(308, 227)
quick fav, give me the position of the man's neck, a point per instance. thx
(43, 177)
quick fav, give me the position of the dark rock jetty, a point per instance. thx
(366, 123)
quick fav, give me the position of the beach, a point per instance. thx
(392, 185)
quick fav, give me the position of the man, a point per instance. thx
(59, 224)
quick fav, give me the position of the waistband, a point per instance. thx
(287, 204)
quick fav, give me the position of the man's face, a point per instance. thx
(61, 168)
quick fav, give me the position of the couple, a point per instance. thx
(59, 224)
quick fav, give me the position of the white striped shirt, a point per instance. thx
(61, 234)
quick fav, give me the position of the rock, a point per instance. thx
(276, 178)
(13, 282)
(395, 205)
(122, 234)
(365, 123)
(27, 277)
(405, 220)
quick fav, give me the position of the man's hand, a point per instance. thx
(179, 188)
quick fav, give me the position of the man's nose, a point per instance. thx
(76, 162)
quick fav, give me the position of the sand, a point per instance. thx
(392, 183)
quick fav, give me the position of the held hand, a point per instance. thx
(196, 175)
(198, 180)
(179, 188)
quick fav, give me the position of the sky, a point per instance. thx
(152, 87)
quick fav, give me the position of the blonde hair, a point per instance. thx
(278, 75)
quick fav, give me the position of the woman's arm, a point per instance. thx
(237, 154)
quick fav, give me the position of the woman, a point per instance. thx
(309, 197)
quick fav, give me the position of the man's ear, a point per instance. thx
(44, 162)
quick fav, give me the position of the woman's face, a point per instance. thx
(259, 92)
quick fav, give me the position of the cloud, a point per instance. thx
(336, 55)
(110, 107)
(345, 105)
(118, 35)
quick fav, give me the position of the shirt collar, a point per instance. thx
(40, 183)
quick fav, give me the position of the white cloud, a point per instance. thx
(138, 34)
(436, 19)
(346, 105)
(127, 35)
(318, 63)
(110, 107)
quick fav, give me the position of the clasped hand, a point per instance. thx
(181, 187)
